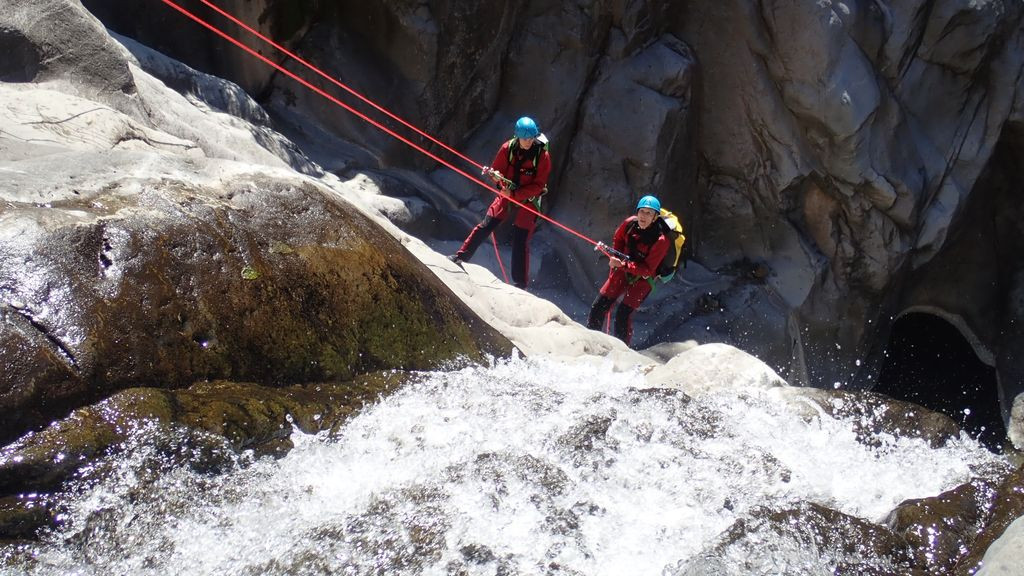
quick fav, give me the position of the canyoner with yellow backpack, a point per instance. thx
(672, 228)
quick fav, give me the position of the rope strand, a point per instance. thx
(497, 255)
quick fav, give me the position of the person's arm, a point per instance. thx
(619, 245)
(501, 164)
(649, 266)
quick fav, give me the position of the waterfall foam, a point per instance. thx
(524, 467)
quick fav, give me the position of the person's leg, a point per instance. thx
(624, 323)
(521, 256)
(599, 311)
(613, 288)
(476, 236)
(634, 296)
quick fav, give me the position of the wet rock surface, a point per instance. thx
(875, 414)
(945, 534)
(1007, 505)
(938, 530)
(162, 282)
(838, 538)
(204, 427)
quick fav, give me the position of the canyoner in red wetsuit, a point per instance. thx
(639, 246)
(520, 170)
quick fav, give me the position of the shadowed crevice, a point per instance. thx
(928, 362)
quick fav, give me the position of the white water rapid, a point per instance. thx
(526, 467)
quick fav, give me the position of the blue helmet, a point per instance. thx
(649, 202)
(526, 128)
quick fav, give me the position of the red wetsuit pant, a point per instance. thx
(633, 290)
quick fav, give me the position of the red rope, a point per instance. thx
(497, 255)
(359, 114)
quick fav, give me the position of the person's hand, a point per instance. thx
(614, 262)
(492, 174)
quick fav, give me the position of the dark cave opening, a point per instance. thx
(930, 363)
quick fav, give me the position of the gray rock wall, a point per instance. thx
(842, 146)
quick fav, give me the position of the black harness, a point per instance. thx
(517, 156)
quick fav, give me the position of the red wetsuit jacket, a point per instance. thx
(530, 181)
(646, 249)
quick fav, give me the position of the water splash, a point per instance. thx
(526, 467)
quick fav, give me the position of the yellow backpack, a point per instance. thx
(672, 228)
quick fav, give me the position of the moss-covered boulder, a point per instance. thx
(205, 427)
(119, 282)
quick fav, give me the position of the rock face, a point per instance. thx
(858, 172)
(837, 165)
